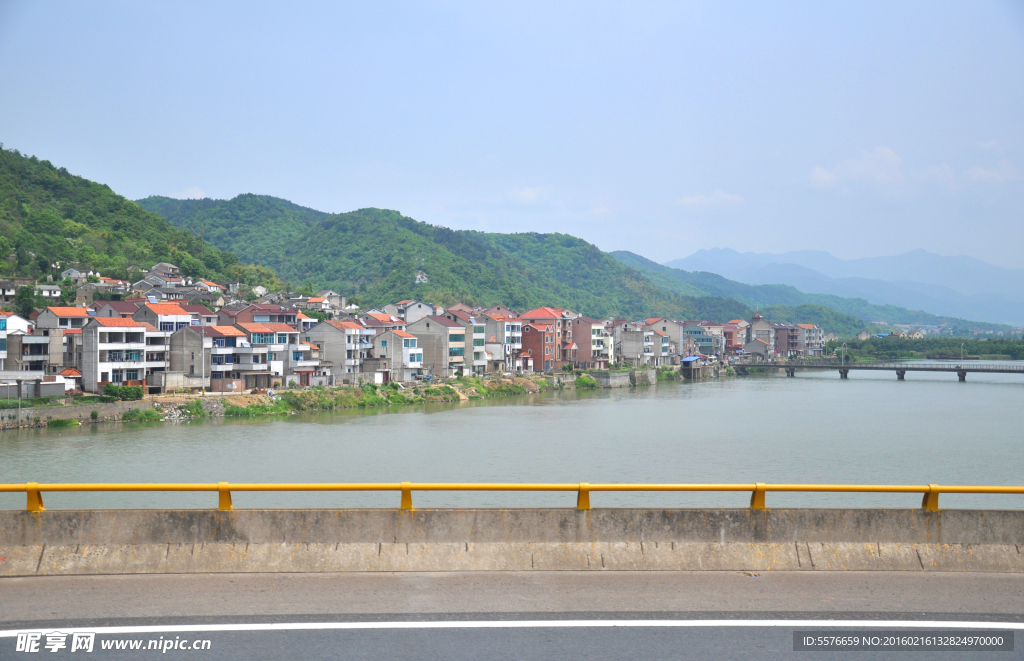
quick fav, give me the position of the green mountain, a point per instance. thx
(377, 256)
(768, 297)
(49, 216)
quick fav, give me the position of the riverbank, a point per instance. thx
(65, 412)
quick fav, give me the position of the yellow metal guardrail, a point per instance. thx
(34, 491)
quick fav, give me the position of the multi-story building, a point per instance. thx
(670, 328)
(443, 343)
(560, 320)
(41, 351)
(507, 332)
(113, 351)
(235, 363)
(164, 316)
(410, 310)
(759, 329)
(595, 347)
(258, 314)
(10, 323)
(123, 309)
(787, 340)
(476, 339)
(379, 322)
(201, 314)
(636, 345)
(703, 338)
(539, 345)
(345, 344)
(811, 340)
(401, 358)
(290, 360)
(63, 317)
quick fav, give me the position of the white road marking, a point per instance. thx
(525, 624)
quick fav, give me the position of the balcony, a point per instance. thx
(250, 367)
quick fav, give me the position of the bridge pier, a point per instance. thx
(844, 374)
(962, 374)
(900, 374)
(790, 372)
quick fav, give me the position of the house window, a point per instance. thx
(167, 325)
(131, 375)
(384, 344)
(282, 338)
(296, 355)
(479, 330)
(456, 351)
(457, 338)
(3, 324)
(478, 343)
(117, 376)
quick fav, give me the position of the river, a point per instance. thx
(815, 428)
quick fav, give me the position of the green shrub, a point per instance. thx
(131, 393)
(194, 408)
(586, 381)
(94, 415)
(65, 422)
(110, 390)
(141, 415)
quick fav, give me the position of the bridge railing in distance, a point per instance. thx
(930, 501)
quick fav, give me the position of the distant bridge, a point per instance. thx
(959, 368)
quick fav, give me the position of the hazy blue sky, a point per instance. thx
(865, 129)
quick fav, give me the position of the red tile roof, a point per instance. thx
(402, 333)
(316, 299)
(72, 331)
(70, 371)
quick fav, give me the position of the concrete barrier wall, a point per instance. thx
(187, 541)
(612, 379)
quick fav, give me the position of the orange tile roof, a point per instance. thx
(226, 331)
(402, 333)
(302, 316)
(343, 325)
(281, 328)
(806, 326)
(384, 318)
(316, 300)
(543, 313)
(256, 328)
(735, 321)
(72, 331)
(70, 371)
(651, 320)
(405, 302)
(117, 322)
(69, 312)
(167, 309)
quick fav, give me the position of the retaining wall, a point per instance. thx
(315, 540)
(81, 412)
(612, 379)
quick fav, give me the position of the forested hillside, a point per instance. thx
(699, 283)
(377, 255)
(49, 216)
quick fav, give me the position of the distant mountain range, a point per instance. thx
(767, 297)
(919, 280)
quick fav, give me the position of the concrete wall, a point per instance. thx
(612, 379)
(113, 411)
(186, 541)
(643, 377)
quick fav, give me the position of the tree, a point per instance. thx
(25, 301)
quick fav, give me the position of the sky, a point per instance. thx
(864, 129)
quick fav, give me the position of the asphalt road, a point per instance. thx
(515, 615)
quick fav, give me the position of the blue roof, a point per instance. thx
(690, 359)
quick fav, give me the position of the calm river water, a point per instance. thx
(813, 428)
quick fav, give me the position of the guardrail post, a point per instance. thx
(224, 502)
(583, 499)
(407, 496)
(757, 497)
(35, 497)
(930, 502)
